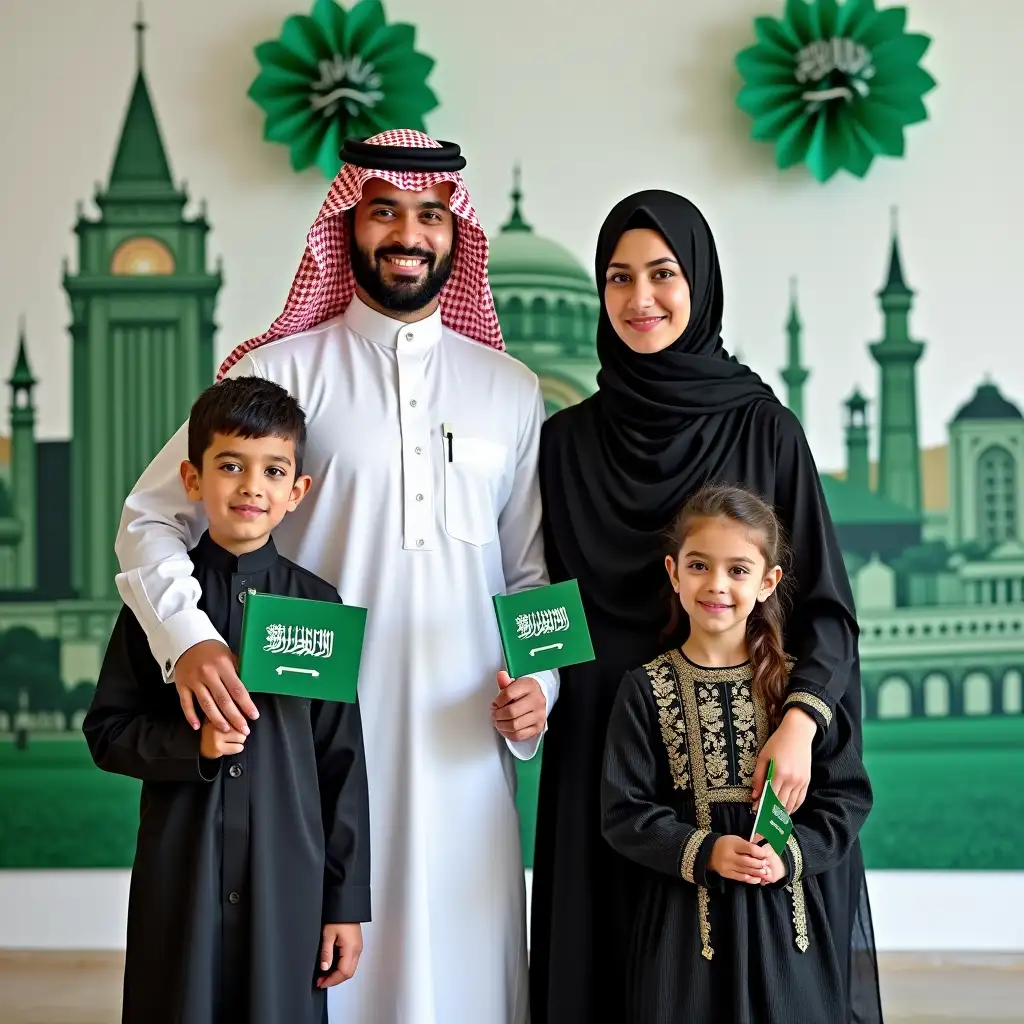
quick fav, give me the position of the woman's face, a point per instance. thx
(645, 293)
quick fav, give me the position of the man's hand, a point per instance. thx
(519, 712)
(735, 858)
(790, 747)
(213, 743)
(208, 673)
(348, 938)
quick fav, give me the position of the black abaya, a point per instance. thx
(615, 470)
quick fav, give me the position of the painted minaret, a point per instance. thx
(23, 466)
(899, 461)
(794, 374)
(142, 305)
(857, 458)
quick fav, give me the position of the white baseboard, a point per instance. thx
(914, 911)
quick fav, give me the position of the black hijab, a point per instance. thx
(659, 426)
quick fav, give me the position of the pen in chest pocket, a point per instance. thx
(449, 435)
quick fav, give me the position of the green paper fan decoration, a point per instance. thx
(834, 86)
(337, 73)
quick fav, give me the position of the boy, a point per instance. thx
(253, 860)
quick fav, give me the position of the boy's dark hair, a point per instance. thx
(245, 407)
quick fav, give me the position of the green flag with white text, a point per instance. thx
(543, 628)
(302, 648)
(772, 822)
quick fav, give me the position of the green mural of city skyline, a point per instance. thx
(932, 539)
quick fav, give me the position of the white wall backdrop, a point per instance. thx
(597, 98)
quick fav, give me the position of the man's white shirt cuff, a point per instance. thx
(175, 635)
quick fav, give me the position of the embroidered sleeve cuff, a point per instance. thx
(696, 854)
(174, 636)
(346, 904)
(813, 705)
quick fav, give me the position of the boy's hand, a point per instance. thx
(776, 866)
(213, 743)
(208, 674)
(790, 747)
(349, 940)
(735, 858)
(520, 709)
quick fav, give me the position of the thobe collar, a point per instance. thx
(390, 333)
(221, 560)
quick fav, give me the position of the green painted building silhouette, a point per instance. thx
(141, 330)
(932, 539)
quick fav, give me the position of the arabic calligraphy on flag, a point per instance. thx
(541, 623)
(316, 643)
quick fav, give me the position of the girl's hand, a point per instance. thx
(790, 748)
(735, 858)
(776, 865)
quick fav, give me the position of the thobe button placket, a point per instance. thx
(414, 420)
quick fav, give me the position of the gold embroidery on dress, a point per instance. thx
(704, 694)
(690, 851)
(812, 702)
(747, 747)
(800, 917)
(796, 887)
(716, 750)
(687, 683)
(704, 920)
(797, 856)
(730, 795)
(673, 734)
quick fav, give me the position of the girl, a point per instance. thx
(725, 930)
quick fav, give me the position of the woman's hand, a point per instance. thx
(790, 748)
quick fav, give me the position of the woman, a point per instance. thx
(672, 412)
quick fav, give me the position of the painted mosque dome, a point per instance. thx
(988, 404)
(546, 300)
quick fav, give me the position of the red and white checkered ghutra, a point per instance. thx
(324, 284)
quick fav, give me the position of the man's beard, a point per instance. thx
(399, 296)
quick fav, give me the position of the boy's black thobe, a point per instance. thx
(240, 861)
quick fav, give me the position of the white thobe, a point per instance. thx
(421, 530)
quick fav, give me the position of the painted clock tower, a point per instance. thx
(142, 306)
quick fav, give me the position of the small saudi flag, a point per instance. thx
(772, 821)
(543, 628)
(301, 648)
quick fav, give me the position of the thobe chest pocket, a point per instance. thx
(473, 468)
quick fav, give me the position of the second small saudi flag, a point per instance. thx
(543, 628)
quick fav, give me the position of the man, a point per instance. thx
(423, 437)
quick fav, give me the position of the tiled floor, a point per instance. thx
(84, 988)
